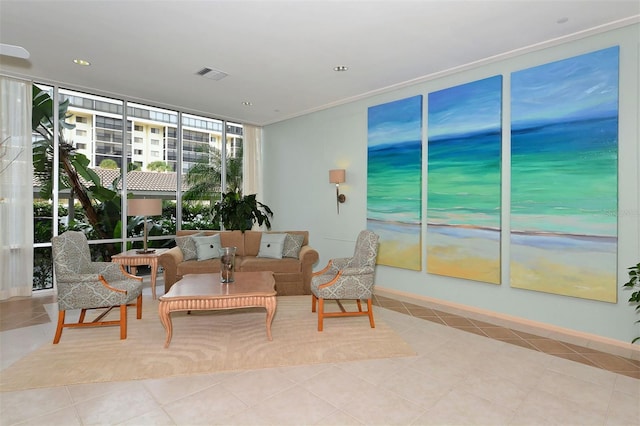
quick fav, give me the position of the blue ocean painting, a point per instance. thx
(463, 190)
(564, 176)
(394, 181)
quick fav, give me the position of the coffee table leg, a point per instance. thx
(165, 318)
(270, 305)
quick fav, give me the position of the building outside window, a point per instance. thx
(101, 133)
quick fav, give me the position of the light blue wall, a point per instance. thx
(299, 152)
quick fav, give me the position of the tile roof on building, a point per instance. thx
(138, 181)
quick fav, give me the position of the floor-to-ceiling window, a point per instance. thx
(99, 146)
(151, 172)
(205, 172)
(45, 215)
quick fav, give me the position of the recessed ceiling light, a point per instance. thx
(247, 103)
(562, 20)
(340, 68)
(81, 62)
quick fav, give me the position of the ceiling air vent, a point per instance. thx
(212, 74)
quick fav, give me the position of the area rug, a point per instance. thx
(203, 343)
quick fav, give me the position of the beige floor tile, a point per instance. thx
(376, 406)
(156, 417)
(497, 390)
(462, 408)
(279, 409)
(541, 405)
(340, 418)
(172, 389)
(23, 405)
(374, 371)
(509, 366)
(116, 407)
(424, 340)
(627, 385)
(202, 408)
(417, 387)
(582, 394)
(438, 370)
(66, 416)
(624, 409)
(271, 381)
(86, 391)
(460, 353)
(336, 386)
(302, 373)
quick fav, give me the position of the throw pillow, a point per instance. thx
(188, 246)
(208, 247)
(292, 245)
(271, 245)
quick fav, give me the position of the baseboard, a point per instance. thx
(600, 343)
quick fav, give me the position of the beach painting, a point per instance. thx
(394, 181)
(564, 176)
(463, 181)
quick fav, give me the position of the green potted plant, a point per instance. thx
(634, 284)
(238, 212)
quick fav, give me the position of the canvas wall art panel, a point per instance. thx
(564, 176)
(464, 130)
(394, 181)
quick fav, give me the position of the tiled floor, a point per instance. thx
(465, 372)
(581, 354)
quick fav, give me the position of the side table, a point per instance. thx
(132, 259)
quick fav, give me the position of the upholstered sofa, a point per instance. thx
(292, 272)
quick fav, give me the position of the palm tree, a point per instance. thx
(102, 217)
(204, 178)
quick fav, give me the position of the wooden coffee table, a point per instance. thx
(204, 292)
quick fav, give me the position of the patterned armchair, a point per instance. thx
(347, 278)
(83, 284)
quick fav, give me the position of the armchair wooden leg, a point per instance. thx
(139, 307)
(313, 302)
(83, 312)
(320, 313)
(369, 307)
(359, 305)
(56, 338)
(123, 322)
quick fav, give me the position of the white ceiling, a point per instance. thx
(279, 54)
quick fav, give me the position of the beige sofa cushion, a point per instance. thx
(227, 239)
(234, 239)
(208, 266)
(252, 240)
(254, 264)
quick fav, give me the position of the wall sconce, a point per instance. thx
(337, 176)
(144, 207)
